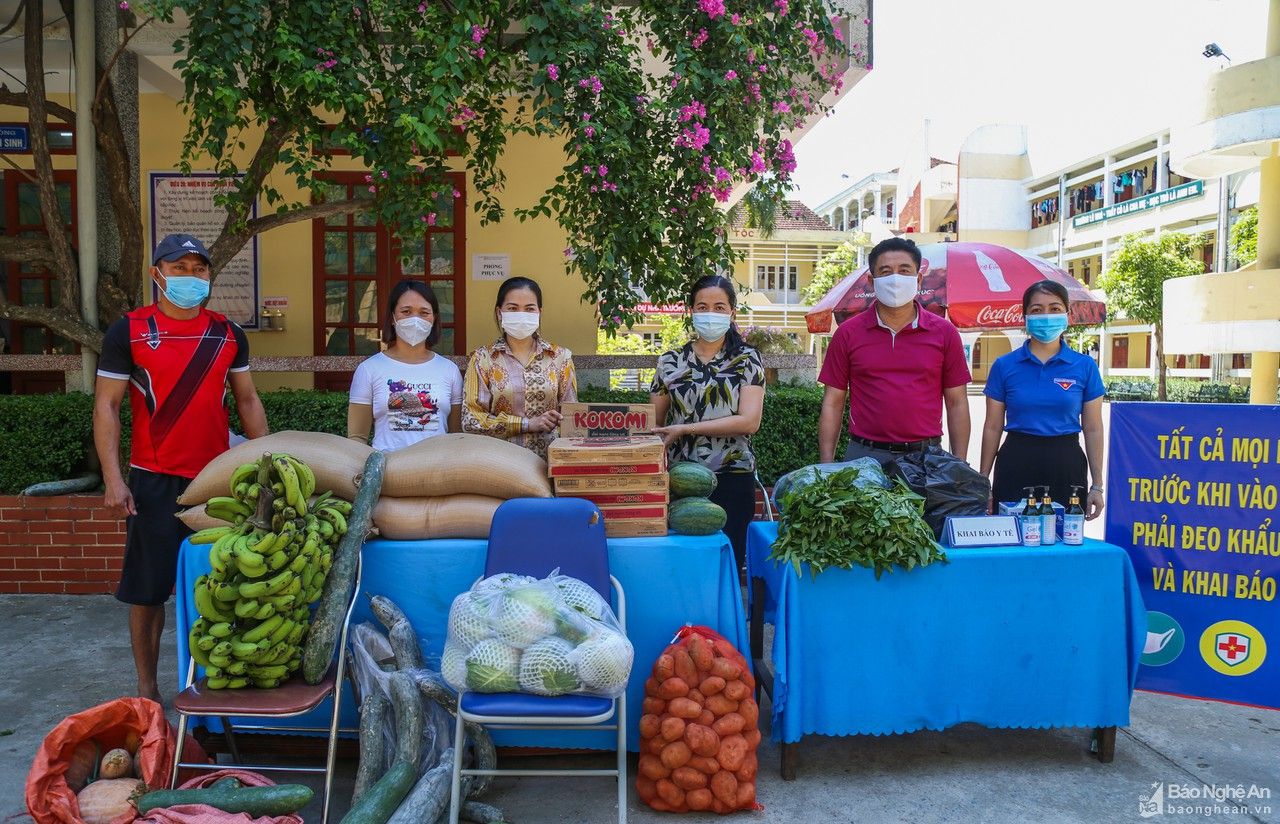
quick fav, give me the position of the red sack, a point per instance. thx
(136, 724)
(699, 731)
(204, 814)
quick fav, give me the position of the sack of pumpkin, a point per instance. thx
(699, 732)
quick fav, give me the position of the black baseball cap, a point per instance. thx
(173, 247)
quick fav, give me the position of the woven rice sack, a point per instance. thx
(195, 518)
(462, 464)
(457, 516)
(336, 461)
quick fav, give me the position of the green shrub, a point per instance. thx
(43, 438)
(303, 410)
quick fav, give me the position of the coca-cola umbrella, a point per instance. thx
(975, 285)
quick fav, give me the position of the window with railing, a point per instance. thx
(776, 278)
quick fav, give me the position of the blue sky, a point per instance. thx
(1083, 75)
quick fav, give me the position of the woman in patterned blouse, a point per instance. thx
(709, 393)
(513, 388)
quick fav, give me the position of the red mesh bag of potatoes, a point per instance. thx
(699, 730)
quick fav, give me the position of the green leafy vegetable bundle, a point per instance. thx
(834, 522)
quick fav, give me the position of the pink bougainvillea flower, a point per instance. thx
(368, 178)
(604, 170)
(722, 175)
(586, 170)
(712, 8)
(456, 193)
(431, 219)
(590, 131)
(568, 251)
(782, 6)
(373, 190)
(586, 116)
(478, 33)
(699, 39)
(731, 75)
(553, 71)
(124, 6)
(735, 19)
(781, 106)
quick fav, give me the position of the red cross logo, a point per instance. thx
(1232, 647)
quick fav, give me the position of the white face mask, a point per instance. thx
(413, 331)
(895, 290)
(710, 326)
(520, 325)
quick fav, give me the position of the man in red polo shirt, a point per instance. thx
(899, 365)
(175, 359)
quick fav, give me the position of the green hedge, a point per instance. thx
(48, 437)
(1178, 390)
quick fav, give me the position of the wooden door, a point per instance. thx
(1120, 352)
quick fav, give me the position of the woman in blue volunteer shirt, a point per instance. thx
(1042, 396)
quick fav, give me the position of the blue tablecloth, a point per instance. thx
(1000, 636)
(668, 581)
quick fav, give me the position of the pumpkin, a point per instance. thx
(106, 800)
(80, 767)
(116, 764)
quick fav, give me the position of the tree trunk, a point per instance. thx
(1161, 366)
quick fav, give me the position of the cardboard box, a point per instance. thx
(626, 449)
(597, 420)
(632, 498)
(604, 470)
(633, 512)
(584, 485)
(635, 527)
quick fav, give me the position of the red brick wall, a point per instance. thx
(760, 516)
(66, 544)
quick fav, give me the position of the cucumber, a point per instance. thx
(410, 717)
(404, 643)
(386, 611)
(373, 716)
(433, 688)
(278, 799)
(482, 813)
(430, 796)
(326, 624)
(378, 805)
(81, 483)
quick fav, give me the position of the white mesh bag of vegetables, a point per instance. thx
(553, 636)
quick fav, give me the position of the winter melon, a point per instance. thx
(691, 480)
(696, 516)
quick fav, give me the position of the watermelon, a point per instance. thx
(691, 480)
(696, 516)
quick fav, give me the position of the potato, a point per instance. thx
(704, 764)
(653, 746)
(726, 724)
(674, 687)
(695, 696)
(698, 799)
(664, 667)
(720, 807)
(672, 728)
(687, 778)
(726, 650)
(653, 706)
(747, 772)
(753, 737)
(711, 685)
(702, 740)
(736, 690)
(650, 725)
(670, 793)
(746, 796)
(707, 718)
(720, 705)
(726, 669)
(684, 667)
(732, 753)
(701, 651)
(675, 754)
(684, 708)
(660, 805)
(725, 788)
(650, 766)
(646, 788)
(750, 712)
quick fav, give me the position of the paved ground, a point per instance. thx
(62, 654)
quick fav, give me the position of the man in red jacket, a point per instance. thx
(175, 358)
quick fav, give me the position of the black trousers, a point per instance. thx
(736, 493)
(1038, 460)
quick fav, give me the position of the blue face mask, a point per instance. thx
(1046, 328)
(186, 292)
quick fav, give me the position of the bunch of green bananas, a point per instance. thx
(269, 565)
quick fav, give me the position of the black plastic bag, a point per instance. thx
(948, 485)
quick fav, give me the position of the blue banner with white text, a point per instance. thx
(1192, 495)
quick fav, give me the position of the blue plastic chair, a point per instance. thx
(535, 536)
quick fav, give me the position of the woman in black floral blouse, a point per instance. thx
(709, 393)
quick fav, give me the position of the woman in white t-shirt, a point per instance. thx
(406, 393)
